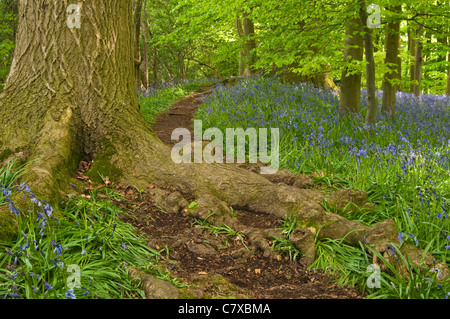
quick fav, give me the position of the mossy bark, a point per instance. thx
(71, 95)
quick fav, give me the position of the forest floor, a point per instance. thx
(211, 262)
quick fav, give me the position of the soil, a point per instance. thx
(217, 264)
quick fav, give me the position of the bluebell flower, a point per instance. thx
(69, 294)
(47, 285)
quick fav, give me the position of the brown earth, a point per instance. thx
(215, 263)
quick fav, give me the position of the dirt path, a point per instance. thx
(180, 115)
(215, 263)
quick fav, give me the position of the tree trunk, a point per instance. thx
(350, 93)
(155, 65)
(145, 36)
(71, 95)
(412, 52)
(447, 91)
(242, 57)
(137, 41)
(418, 66)
(372, 104)
(250, 46)
(390, 81)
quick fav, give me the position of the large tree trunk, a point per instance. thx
(350, 93)
(392, 52)
(372, 104)
(71, 95)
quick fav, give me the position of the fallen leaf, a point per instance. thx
(258, 271)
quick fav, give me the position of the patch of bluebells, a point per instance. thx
(419, 135)
(412, 150)
(34, 242)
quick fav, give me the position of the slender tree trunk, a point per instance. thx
(390, 81)
(399, 66)
(447, 91)
(372, 104)
(418, 66)
(145, 36)
(155, 65)
(249, 34)
(137, 41)
(242, 57)
(412, 52)
(350, 93)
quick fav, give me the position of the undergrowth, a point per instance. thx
(79, 250)
(403, 164)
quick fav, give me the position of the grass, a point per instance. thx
(79, 250)
(222, 230)
(402, 164)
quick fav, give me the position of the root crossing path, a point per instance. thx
(217, 262)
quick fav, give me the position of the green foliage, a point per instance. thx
(402, 165)
(8, 26)
(83, 233)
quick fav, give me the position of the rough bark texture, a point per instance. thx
(350, 93)
(71, 95)
(392, 60)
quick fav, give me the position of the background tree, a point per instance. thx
(392, 80)
(137, 6)
(372, 105)
(350, 91)
(8, 29)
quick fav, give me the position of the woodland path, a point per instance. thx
(215, 264)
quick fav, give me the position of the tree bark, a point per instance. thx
(350, 93)
(249, 34)
(137, 41)
(372, 104)
(418, 66)
(390, 81)
(145, 36)
(71, 95)
(412, 52)
(242, 56)
(447, 91)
